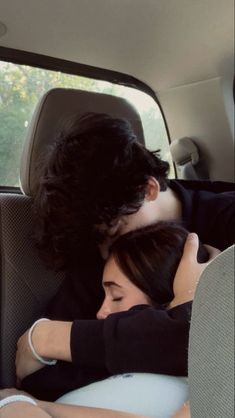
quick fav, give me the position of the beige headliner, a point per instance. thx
(165, 43)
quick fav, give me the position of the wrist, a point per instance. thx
(40, 337)
(186, 296)
(36, 355)
(179, 300)
(23, 410)
(14, 403)
(16, 398)
(51, 339)
(18, 409)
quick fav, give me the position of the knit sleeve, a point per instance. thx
(143, 339)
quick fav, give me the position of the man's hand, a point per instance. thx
(25, 362)
(189, 271)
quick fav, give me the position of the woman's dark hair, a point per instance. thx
(95, 172)
(150, 256)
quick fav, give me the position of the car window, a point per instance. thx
(21, 86)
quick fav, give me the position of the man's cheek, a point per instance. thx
(105, 247)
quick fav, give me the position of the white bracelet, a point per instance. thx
(36, 355)
(16, 398)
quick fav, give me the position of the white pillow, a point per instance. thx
(154, 395)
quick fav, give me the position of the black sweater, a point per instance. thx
(143, 339)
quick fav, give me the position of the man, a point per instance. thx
(98, 183)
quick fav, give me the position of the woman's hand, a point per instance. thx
(183, 412)
(4, 393)
(189, 271)
(26, 363)
(21, 409)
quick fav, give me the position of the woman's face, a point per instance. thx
(120, 293)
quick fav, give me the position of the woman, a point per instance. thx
(138, 259)
(145, 262)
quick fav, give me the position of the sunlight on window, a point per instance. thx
(21, 87)
(153, 124)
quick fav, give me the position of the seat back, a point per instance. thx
(26, 285)
(189, 162)
(54, 110)
(211, 342)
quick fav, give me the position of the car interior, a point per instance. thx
(179, 54)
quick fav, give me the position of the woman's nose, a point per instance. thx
(103, 312)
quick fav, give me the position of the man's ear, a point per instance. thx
(152, 189)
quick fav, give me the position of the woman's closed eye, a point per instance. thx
(117, 299)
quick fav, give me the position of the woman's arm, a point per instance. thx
(57, 410)
(183, 412)
(99, 344)
(105, 339)
(23, 409)
(51, 340)
(19, 409)
(53, 410)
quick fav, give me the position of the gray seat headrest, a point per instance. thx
(53, 111)
(184, 150)
(189, 162)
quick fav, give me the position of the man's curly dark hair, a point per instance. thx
(95, 172)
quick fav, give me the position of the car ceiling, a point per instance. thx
(165, 43)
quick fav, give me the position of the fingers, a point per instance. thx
(191, 247)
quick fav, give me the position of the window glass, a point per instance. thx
(21, 87)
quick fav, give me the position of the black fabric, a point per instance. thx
(81, 294)
(209, 213)
(51, 382)
(124, 345)
(144, 338)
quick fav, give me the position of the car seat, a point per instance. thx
(26, 285)
(188, 159)
(211, 341)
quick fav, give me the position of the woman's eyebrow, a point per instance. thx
(110, 283)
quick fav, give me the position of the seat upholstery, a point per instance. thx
(189, 162)
(26, 285)
(211, 342)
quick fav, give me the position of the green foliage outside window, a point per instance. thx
(20, 89)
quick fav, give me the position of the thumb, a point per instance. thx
(191, 247)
